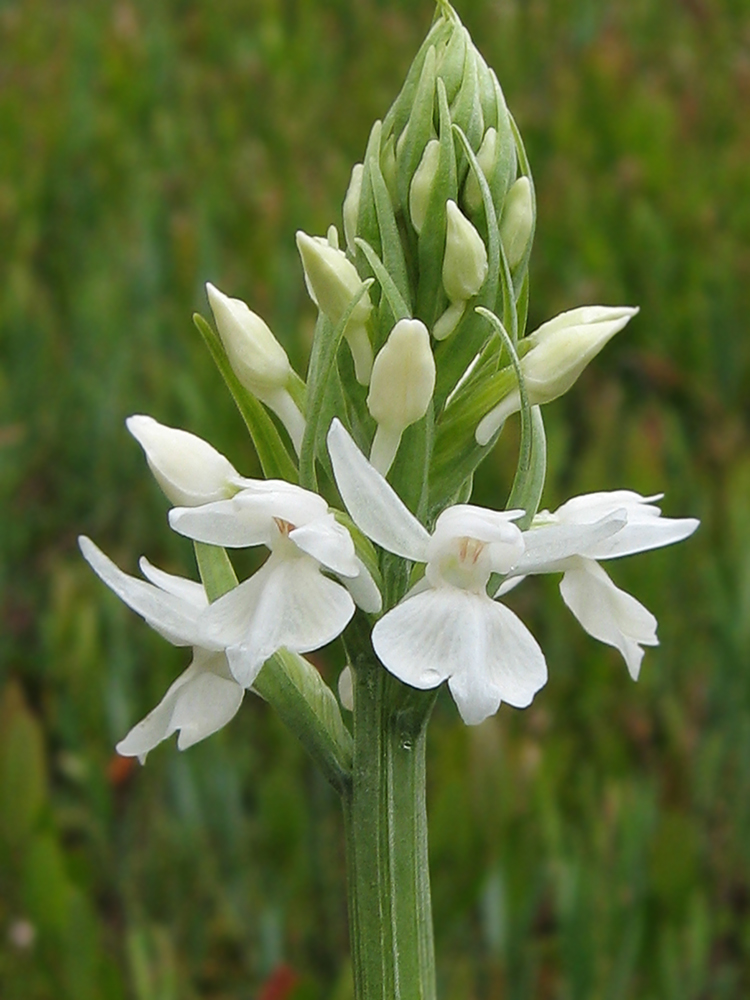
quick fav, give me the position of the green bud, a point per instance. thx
(465, 263)
(487, 159)
(557, 354)
(351, 206)
(402, 384)
(421, 185)
(517, 223)
(257, 359)
(332, 282)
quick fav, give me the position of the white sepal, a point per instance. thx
(374, 506)
(169, 615)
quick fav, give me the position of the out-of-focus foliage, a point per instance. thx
(594, 846)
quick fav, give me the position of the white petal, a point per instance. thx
(288, 603)
(202, 700)
(466, 520)
(484, 650)
(329, 542)
(608, 613)
(589, 507)
(548, 545)
(249, 517)
(190, 591)
(172, 617)
(223, 523)
(204, 707)
(364, 590)
(372, 503)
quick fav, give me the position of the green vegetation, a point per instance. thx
(593, 847)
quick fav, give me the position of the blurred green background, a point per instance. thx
(593, 847)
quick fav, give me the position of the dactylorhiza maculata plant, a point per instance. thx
(419, 357)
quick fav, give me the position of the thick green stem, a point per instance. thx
(390, 912)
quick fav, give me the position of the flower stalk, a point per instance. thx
(390, 911)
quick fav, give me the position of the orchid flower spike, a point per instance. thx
(203, 698)
(288, 602)
(573, 540)
(447, 627)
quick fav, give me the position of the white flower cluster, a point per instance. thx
(447, 627)
(289, 603)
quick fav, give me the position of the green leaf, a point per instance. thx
(398, 305)
(23, 772)
(390, 237)
(418, 130)
(272, 453)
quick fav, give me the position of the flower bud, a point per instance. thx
(487, 159)
(517, 223)
(403, 381)
(257, 358)
(188, 469)
(465, 263)
(332, 282)
(351, 205)
(559, 351)
(421, 185)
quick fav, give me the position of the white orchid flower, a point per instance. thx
(583, 531)
(203, 698)
(447, 627)
(288, 602)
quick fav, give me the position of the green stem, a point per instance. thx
(390, 911)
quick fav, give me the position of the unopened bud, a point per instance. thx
(257, 359)
(421, 185)
(487, 159)
(188, 469)
(403, 381)
(559, 351)
(351, 205)
(517, 223)
(333, 282)
(465, 263)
